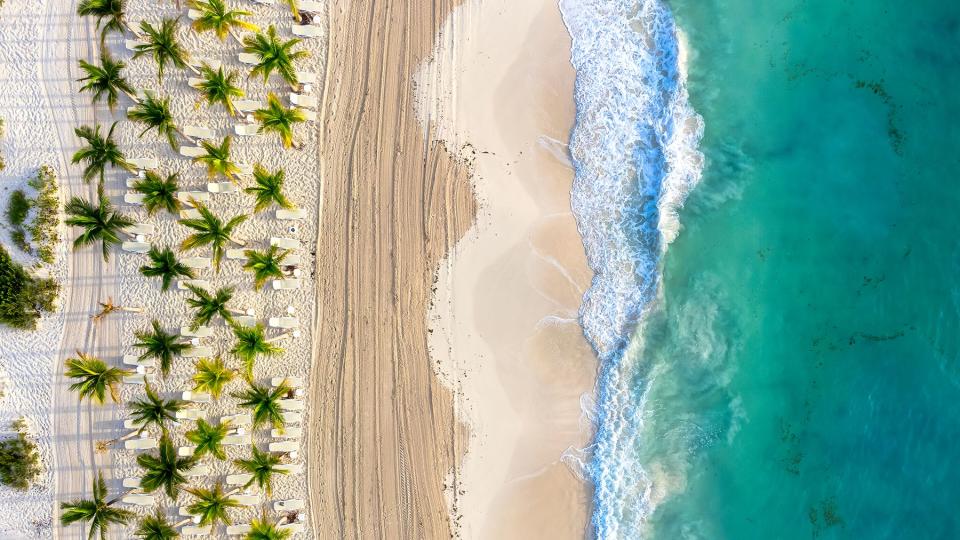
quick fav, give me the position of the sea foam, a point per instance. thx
(634, 149)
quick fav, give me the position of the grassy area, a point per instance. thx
(37, 234)
(23, 297)
(19, 461)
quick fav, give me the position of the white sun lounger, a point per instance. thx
(292, 259)
(139, 378)
(291, 404)
(306, 30)
(245, 168)
(192, 151)
(307, 77)
(135, 247)
(141, 228)
(145, 443)
(245, 320)
(198, 470)
(195, 82)
(249, 58)
(132, 182)
(139, 500)
(200, 332)
(190, 414)
(222, 187)
(134, 360)
(235, 440)
(144, 163)
(289, 505)
(184, 512)
(266, 2)
(195, 397)
(190, 196)
(199, 132)
(200, 61)
(286, 284)
(132, 197)
(238, 420)
(190, 213)
(246, 130)
(294, 528)
(247, 105)
(291, 417)
(283, 322)
(310, 6)
(202, 283)
(197, 262)
(285, 243)
(291, 468)
(292, 382)
(194, 14)
(132, 482)
(301, 100)
(198, 352)
(236, 254)
(238, 479)
(131, 44)
(237, 530)
(286, 433)
(247, 500)
(308, 115)
(130, 423)
(288, 214)
(194, 530)
(284, 446)
(186, 451)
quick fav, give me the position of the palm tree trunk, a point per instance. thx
(281, 337)
(240, 243)
(184, 135)
(132, 97)
(237, 312)
(113, 501)
(182, 523)
(235, 36)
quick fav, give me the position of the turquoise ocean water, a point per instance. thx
(789, 366)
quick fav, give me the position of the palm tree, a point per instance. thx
(156, 527)
(154, 112)
(265, 264)
(209, 305)
(164, 264)
(268, 189)
(160, 345)
(98, 511)
(94, 378)
(162, 44)
(264, 403)
(294, 6)
(264, 529)
(250, 343)
(211, 231)
(108, 307)
(219, 86)
(100, 223)
(99, 152)
(280, 120)
(209, 439)
(159, 193)
(262, 465)
(274, 54)
(217, 17)
(154, 411)
(217, 159)
(106, 80)
(211, 505)
(164, 469)
(109, 13)
(211, 376)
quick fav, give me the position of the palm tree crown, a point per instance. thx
(105, 79)
(100, 223)
(217, 17)
(98, 511)
(217, 159)
(211, 231)
(209, 439)
(219, 86)
(294, 6)
(160, 345)
(211, 376)
(268, 189)
(265, 264)
(262, 466)
(154, 411)
(211, 505)
(164, 264)
(165, 469)
(161, 43)
(265, 529)
(159, 193)
(99, 152)
(274, 54)
(209, 305)
(264, 403)
(156, 527)
(250, 343)
(94, 377)
(109, 14)
(279, 119)
(154, 112)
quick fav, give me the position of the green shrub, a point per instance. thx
(19, 460)
(44, 227)
(23, 298)
(18, 208)
(19, 237)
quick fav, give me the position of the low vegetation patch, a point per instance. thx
(3, 164)
(36, 234)
(23, 297)
(19, 460)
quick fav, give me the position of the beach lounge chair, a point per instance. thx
(246, 130)
(199, 62)
(310, 6)
(249, 58)
(186, 451)
(238, 479)
(131, 482)
(266, 2)
(284, 446)
(130, 423)
(192, 151)
(306, 30)
(139, 500)
(292, 259)
(141, 228)
(195, 397)
(222, 187)
(235, 440)
(284, 243)
(143, 443)
(245, 321)
(292, 382)
(289, 505)
(291, 404)
(184, 512)
(245, 168)
(194, 82)
(190, 414)
(197, 470)
(135, 247)
(198, 263)
(202, 283)
(286, 284)
(132, 197)
(236, 254)
(198, 132)
(131, 44)
(134, 360)
(291, 468)
(294, 528)
(307, 77)
(196, 530)
(290, 214)
(189, 196)
(200, 332)
(130, 182)
(247, 105)
(286, 433)
(144, 163)
(198, 352)
(283, 322)
(238, 530)
(247, 500)
(238, 420)
(301, 100)
(194, 14)
(291, 417)
(190, 213)
(139, 378)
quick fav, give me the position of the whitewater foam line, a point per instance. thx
(634, 151)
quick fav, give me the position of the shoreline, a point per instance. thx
(505, 334)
